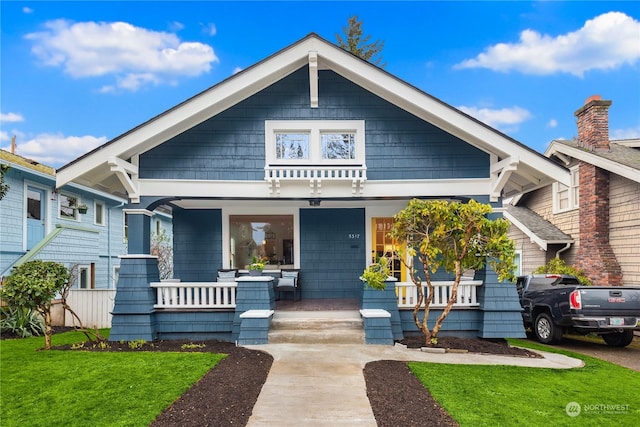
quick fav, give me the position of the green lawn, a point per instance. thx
(78, 388)
(477, 395)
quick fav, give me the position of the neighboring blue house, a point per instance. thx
(38, 221)
(301, 159)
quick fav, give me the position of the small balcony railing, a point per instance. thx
(355, 175)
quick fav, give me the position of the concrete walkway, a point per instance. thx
(323, 384)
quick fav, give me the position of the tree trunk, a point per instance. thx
(48, 329)
(450, 302)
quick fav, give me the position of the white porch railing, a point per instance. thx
(356, 175)
(407, 294)
(195, 294)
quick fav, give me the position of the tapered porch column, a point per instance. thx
(133, 313)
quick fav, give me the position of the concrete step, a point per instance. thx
(316, 327)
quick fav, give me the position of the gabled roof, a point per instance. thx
(113, 166)
(540, 231)
(622, 158)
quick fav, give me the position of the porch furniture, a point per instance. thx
(289, 281)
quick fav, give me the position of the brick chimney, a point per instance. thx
(593, 124)
(595, 255)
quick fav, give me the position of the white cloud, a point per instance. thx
(11, 118)
(553, 123)
(210, 29)
(506, 119)
(27, 10)
(628, 133)
(133, 55)
(237, 70)
(56, 149)
(606, 42)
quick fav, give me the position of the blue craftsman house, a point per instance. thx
(300, 160)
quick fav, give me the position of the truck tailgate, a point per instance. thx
(610, 300)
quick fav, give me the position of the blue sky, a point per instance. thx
(77, 74)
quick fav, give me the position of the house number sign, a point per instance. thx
(354, 236)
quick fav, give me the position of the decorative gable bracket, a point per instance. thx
(315, 175)
(500, 173)
(127, 174)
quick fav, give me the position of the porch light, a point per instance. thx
(314, 202)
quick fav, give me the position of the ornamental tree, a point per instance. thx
(453, 236)
(33, 285)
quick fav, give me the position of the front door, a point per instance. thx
(333, 252)
(35, 216)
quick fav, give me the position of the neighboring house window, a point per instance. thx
(315, 142)
(67, 206)
(269, 237)
(518, 262)
(116, 274)
(84, 277)
(567, 198)
(98, 209)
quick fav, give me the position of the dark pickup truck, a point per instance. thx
(553, 303)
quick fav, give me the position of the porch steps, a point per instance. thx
(316, 327)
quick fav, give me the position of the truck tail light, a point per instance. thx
(575, 300)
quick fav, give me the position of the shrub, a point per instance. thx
(558, 266)
(22, 322)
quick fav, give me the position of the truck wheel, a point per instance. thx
(619, 339)
(546, 331)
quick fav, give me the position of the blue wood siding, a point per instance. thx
(332, 252)
(197, 239)
(231, 144)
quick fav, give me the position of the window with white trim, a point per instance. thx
(98, 213)
(315, 142)
(67, 206)
(84, 277)
(567, 198)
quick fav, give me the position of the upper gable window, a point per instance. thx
(315, 142)
(567, 198)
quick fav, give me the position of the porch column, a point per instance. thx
(133, 312)
(386, 299)
(253, 293)
(499, 306)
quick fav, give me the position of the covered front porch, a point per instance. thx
(219, 310)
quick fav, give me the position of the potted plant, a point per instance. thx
(256, 266)
(82, 209)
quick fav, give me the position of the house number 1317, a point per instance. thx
(354, 236)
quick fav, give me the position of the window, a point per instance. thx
(84, 277)
(292, 146)
(567, 198)
(67, 206)
(98, 209)
(262, 236)
(518, 262)
(384, 246)
(338, 146)
(116, 275)
(315, 142)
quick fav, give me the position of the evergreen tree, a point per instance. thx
(360, 46)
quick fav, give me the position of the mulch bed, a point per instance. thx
(226, 395)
